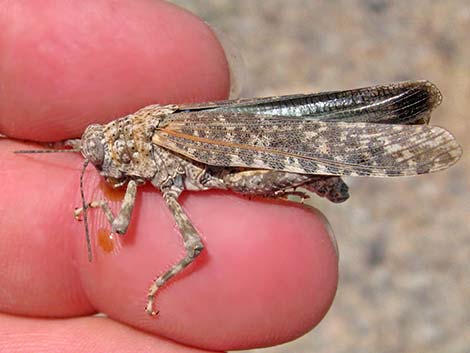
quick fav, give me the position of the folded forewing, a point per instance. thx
(308, 146)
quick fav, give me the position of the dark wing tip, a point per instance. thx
(434, 92)
(432, 95)
(415, 101)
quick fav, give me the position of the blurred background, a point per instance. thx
(404, 243)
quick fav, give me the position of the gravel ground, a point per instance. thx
(404, 243)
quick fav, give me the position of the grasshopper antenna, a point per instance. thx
(47, 151)
(84, 207)
(75, 145)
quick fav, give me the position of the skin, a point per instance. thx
(268, 273)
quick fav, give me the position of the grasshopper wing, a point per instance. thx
(408, 102)
(307, 146)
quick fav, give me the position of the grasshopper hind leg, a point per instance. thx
(277, 184)
(249, 182)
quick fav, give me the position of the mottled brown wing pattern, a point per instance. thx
(409, 102)
(308, 146)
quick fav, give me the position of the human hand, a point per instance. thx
(269, 269)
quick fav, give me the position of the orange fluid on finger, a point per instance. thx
(105, 240)
(111, 193)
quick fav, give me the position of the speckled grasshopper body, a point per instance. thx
(265, 146)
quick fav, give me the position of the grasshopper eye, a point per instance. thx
(92, 145)
(94, 151)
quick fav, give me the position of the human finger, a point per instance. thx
(67, 64)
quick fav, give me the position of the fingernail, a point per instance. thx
(235, 61)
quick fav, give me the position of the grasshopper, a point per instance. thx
(264, 146)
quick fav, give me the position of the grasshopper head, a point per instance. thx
(94, 147)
